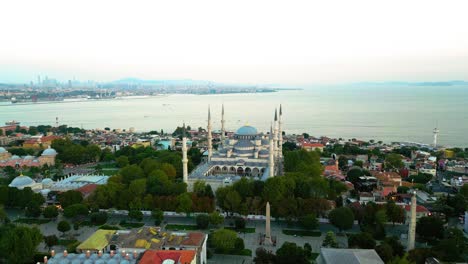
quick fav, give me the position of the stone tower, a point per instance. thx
(184, 156)
(223, 131)
(267, 225)
(412, 223)
(436, 134)
(271, 157)
(209, 136)
(275, 134)
(280, 136)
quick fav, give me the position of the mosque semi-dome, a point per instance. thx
(21, 181)
(3, 150)
(247, 131)
(49, 152)
(47, 181)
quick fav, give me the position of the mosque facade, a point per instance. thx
(47, 157)
(247, 153)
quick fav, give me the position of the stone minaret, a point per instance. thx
(436, 134)
(275, 135)
(223, 131)
(267, 224)
(271, 161)
(209, 137)
(280, 135)
(412, 224)
(184, 156)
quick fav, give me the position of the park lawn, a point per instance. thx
(292, 232)
(108, 166)
(32, 221)
(243, 230)
(181, 227)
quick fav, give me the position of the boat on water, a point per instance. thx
(12, 123)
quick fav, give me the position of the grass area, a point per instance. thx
(109, 227)
(243, 230)
(132, 225)
(31, 221)
(181, 227)
(292, 232)
(66, 242)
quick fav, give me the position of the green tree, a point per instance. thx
(184, 203)
(158, 216)
(18, 243)
(429, 228)
(50, 211)
(122, 161)
(99, 218)
(291, 253)
(361, 240)
(385, 252)
(203, 220)
(394, 162)
(309, 221)
(70, 197)
(354, 173)
(76, 210)
(135, 215)
(63, 226)
(232, 201)
(216, 218)
(50, 241)
(453, 247)
(263, 256)
(224, 240)
(330, 240)
(342, 218)
(239, 223)
(395, 213)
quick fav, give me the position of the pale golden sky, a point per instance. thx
(285, 42)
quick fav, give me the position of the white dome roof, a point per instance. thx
(29, 157)
(15, 157)
(21, 181)
(3, 150)
(247, 131)
(49, 152)
(47, 181)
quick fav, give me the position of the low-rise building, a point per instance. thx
(348, 256)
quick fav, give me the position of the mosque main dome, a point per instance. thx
(21, 181)
(49, 152)
(247, 131)
(3, 150)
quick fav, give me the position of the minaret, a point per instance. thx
(271, 161)
(267, 225)
(223, 132)
(280, 135)
(275, 135)
(436, 134)
(184, 156)
(412, 224)
(209, 137)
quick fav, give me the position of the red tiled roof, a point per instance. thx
(194, 239)
(312, 145)
(419, 209)
(158, 256)
(87, 189)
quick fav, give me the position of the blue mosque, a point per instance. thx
(248, 153)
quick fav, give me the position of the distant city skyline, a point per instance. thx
(297, 43)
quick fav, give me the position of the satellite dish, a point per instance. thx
(333, 156)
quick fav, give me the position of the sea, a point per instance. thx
(389, 114)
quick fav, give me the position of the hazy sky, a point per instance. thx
(285, 42)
